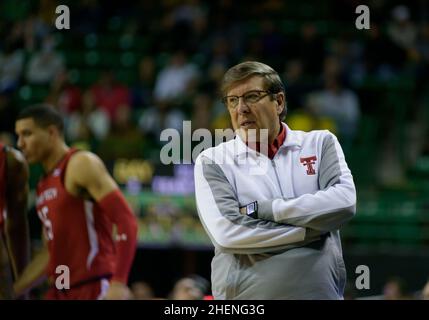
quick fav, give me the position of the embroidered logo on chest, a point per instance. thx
(309, 162)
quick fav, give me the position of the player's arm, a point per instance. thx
(17, 233)
(35, 272)
(6, 278)
(87, 171)
(326, 210)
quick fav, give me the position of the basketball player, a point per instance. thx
(14, 238)
(78, 203)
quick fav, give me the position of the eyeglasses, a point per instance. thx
(249, 97)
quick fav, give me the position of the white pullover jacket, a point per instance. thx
(292, 250)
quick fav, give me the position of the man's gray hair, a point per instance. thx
(247, 69)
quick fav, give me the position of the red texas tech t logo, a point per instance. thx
(309, 162)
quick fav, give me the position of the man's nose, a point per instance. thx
(242, 107)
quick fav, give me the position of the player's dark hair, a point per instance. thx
(44, 115)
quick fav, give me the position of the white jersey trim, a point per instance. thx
(92, 234)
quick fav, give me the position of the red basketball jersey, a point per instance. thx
(2, 185)
(79, 235)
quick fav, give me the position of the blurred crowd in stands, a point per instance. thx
(324, 61)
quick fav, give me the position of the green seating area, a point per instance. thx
(390, 219)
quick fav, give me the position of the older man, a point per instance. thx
(273, 199)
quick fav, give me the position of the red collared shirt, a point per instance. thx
(274, 147)
(278, 141)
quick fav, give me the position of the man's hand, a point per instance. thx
(118, 291)
(34, 273)
(250, 209)
(243, 210)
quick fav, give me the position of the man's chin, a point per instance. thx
(248, 135)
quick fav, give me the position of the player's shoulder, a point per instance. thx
(83, 168)
(82, 160)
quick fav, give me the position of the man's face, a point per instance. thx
(262, 114)
(33, 140)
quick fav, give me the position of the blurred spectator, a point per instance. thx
(422, 47)
(11, 10)
(215, 73)
(339, 104)
(193, 14)
(306, 120)
(109, 95)
(183, 24)
(159, 117)
(87, 122)
(45, 64)
(11, 65)
(220, 52)
(193, 287)
(124, 140)
(272, 42)
(401, 29)
(87, 17)
(202, 111)
(220, 116)
(296, 85)
(306, 47)
(188, 12)
(142, 95)
(64, 95)
(331, 67)
(395, 289)
(142, 291)
(383, 66)
(46, 11)
(35, 31)
(423, 42)
(349, 292)
(348, 54)
(7, 139)
(176, 79)
(425, 291)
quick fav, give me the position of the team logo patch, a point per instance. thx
(309, 162)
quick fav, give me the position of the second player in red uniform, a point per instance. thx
(14, 234)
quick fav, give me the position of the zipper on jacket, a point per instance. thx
(277, 176)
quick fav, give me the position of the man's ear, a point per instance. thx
(53, 131)
(281, 103)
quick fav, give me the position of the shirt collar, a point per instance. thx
(292, 139)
